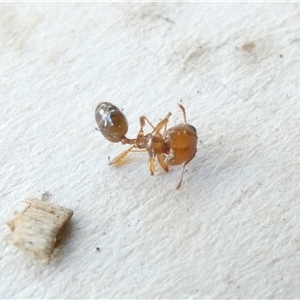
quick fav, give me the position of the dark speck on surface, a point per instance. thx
(166, 19)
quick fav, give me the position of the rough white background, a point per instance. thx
(232, 231)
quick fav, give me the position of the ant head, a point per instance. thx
(111, 122)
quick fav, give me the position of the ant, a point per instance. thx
(175, 146)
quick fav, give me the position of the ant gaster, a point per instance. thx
(175, 146)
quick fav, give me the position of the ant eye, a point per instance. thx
(193, 128)
(111, 122)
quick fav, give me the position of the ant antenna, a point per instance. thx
(183, 111)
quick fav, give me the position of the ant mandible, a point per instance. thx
(175, 146)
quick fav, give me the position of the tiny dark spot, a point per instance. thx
(295, 40)
(166, 19)
(138, 220)
(128, 225)
(104, 233)
(281, 55)
(98, 249)
(180, 100)
(108, 158)
(238, 287)
(198, 92)
(31, 242)
(259, 183)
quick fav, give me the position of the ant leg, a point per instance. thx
(151, 165)
(142, 125)
(183, 111)
(158, 127)
(121, 156)
(143, 119)
(179, 184)
(162, 163)
(162, 123)
(165, 129)
(138, 150)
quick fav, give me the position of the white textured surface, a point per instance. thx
(233, 228)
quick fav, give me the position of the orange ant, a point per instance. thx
(175, 146)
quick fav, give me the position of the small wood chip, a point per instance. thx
(36, 230)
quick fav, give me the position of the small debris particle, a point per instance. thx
(98, 249)
(38, 228)
(248, 47)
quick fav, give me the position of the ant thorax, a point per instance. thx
(153, 143)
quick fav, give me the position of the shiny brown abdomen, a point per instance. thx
(111, 122)
(182, 140)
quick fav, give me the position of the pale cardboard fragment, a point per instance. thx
(36, 230)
